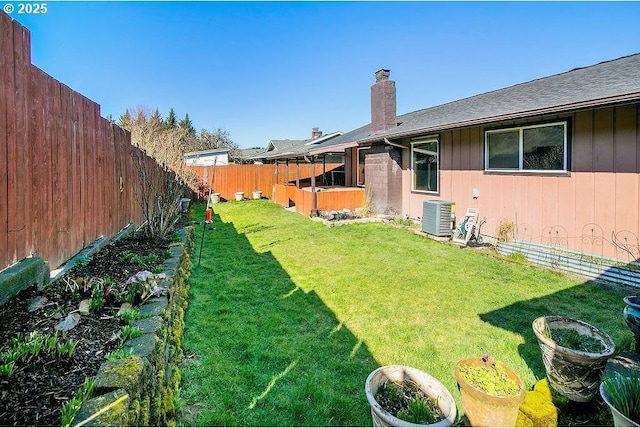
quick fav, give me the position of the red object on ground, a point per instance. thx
(208, 214)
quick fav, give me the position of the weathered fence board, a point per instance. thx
(62, 173)
(67, 175)
(6, 122)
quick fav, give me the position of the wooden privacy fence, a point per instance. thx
(332, 199)
(67, 175)
(229, 179)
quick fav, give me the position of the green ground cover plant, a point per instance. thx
(624, 394)
(570, 338)
(405, 400)
(287, 317)
(491, 378)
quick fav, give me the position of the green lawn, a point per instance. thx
(287, 317)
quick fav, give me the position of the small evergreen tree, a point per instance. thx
(187, 126)
(171, 122)
(156, 120)
(125, 120)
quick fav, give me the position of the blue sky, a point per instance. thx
(264, 70)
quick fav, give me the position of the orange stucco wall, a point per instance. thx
(601, 188)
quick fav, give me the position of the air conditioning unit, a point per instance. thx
(436, 218)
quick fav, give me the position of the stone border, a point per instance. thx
(21, 276)
(139, 390)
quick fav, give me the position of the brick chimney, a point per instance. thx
(383, 103)
(316, 133)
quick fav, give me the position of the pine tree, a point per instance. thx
(125, 120)
(141, 118)
(187, 126)
(156, 120)
(171, 121)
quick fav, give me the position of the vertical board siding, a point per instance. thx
(582, 142)
(625, 139)
(603, 148)
(61, 164)
(602, 187)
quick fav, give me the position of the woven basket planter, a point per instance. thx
(573, 373)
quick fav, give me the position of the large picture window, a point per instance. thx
(527, 148)
(424, 165)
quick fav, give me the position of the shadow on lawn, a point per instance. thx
(267, 353)
(589, 302)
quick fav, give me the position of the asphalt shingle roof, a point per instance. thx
(290, 148)
(604, 81)
(600, 84)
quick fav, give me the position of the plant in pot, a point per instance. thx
(491, 392)
(405, 396)
(622, 394)
(574, 354)
(214, 198)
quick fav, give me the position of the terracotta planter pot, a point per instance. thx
(572, 373)
(619, 420)
(483, 409)
(427, 383)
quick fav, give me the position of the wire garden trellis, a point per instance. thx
(587, 254)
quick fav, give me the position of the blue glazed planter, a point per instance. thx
(631, 315)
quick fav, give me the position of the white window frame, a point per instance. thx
(423, 140)
(520, 130)
(358, 184)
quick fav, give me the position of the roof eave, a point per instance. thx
(320, 151)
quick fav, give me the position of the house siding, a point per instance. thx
(601, 187)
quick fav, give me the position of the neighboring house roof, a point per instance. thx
(346, 140)
(290, 148)
(207, 152)
(598, 85)
(207, 157)
(283, 146)
(249, 153)
(276, 147)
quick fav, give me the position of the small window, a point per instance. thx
(424, 165)
(527, 148)
(362, 153)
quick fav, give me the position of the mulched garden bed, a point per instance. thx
(39, 386)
